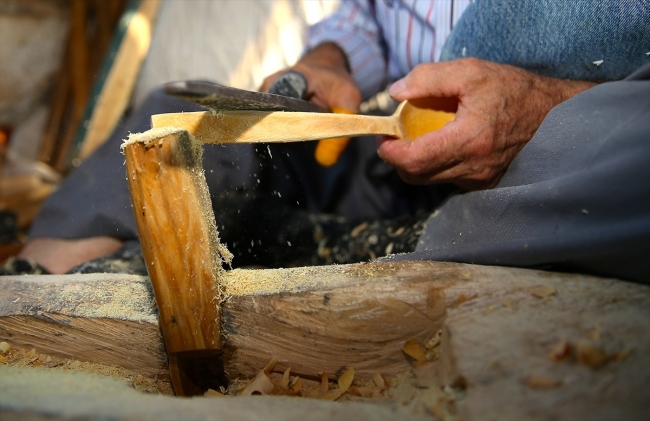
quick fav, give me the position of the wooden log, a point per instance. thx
(102, 318)
(179, 240)
(500, 327)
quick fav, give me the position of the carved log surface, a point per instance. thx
(501, 344)
(340, 316)
(500, 326)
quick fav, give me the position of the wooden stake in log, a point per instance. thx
(180, 244)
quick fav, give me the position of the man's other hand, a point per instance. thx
(329, 81)
(499, 109)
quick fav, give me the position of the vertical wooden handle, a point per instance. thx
(328, 151)
(179, 238)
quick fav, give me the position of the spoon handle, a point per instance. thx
(263, 126)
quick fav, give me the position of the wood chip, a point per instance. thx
(414, 350)
(425, 374)
(284, 383)
(561, 351)
(399, 231)
(324, 384)
(261, 385)
(345, 381)
(347, 378)
(213, 394)
(543, 291)
(379, 381)
(358, 229)
(270, 365)
(296, 385)
(590, 355)
(542, 382)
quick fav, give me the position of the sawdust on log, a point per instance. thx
(241, 282)
(244, 282)
(133, 301)
(220, 253)
(30, 358)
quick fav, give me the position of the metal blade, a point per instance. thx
(218, 97)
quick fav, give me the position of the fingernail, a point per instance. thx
(396, 87)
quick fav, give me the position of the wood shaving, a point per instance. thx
(345, 381)
(284, 383)
(358, 229)
(324, 384)
(543, 291)
(561, 351)
(590, 355)
(414, 350)
(261, 385)
(213, 394)
(379, 381)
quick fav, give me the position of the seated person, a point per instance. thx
(571, 198)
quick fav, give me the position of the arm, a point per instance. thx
(329, 81)
(500, 108)
(345, 60)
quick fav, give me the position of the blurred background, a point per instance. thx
(70, 70)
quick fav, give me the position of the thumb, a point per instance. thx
(429, 80)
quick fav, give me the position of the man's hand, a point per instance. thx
(329, 81)
(500, 108)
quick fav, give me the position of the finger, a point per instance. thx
(344, 96)
(446, 79)
(422, 156)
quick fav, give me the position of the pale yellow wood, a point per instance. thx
(408, 122)
(115, 93)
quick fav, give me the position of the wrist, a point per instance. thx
(327, 54)
(560, 90)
